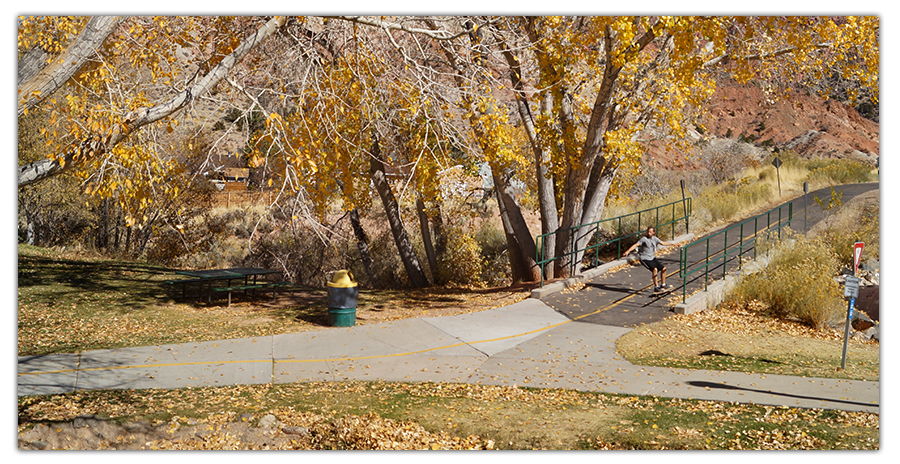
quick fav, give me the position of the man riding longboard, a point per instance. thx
(647, 246)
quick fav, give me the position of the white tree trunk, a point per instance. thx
(94, 146)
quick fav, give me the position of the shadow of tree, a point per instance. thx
(55, 280)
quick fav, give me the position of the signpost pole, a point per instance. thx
(851, 289)
(805, 208)
(847, 332)
(777, 163)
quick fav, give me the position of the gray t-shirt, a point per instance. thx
(647, 247)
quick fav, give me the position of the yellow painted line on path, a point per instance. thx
(354, 358)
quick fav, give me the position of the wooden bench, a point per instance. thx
(275, 286)
(241, 287)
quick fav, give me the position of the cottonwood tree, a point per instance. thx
(589, 90)
(123, 77)
(356, 120)
(111, 90)
(586, 91)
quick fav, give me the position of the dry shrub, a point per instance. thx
(832, 171)
(461, 262)
(387, 269)
(798, 283)
(727, 201)
(372, 432)
(725, 162)
(858, 226)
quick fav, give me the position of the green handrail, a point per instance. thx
(594, 228)
(721, 253)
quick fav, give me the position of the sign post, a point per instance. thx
(805, 208)
(777, 163)
(851, 290)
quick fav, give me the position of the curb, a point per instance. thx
(718, 290)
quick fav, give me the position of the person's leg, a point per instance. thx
(655, 278)
(662, 278)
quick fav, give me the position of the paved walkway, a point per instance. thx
(624, 299)
(526, 344)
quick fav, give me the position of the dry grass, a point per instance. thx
(747, 339)
(72, 302)
(379, 415)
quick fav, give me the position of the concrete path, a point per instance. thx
(568, 345)
(525, 344)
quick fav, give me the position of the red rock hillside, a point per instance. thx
(804, 122)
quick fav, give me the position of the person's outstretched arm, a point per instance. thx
(630, 249)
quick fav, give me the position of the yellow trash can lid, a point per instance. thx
(342, 279)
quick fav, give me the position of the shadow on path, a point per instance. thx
(722, 386)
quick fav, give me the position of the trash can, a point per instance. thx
(342, 295)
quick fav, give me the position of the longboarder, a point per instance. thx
(647, 246)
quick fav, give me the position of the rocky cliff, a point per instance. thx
(802, 121)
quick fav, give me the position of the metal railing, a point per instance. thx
(776, 219)
(634, 223)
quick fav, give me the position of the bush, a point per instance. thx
(798, 283)
(462, 261)
(839, 172)
(861, 227)
(725, 162)
(728, 201)
(495, 269)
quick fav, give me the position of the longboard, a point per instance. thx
(663, 292)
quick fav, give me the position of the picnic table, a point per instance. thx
(209, 276)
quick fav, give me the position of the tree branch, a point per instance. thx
(35, 83)
(727, 57)
(97, 144)
(434, 34)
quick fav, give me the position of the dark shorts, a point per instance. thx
(652, 264)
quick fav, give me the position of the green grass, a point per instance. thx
(510, 417)
(748, 345)
(71, 303)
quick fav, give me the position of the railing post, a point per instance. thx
(673, 221)
(706, 273)
(687, 216)
(682, 271)
(540, 253)
(790, 213)
(755, 235)
(572, 253)
(619, 241)
(725, 255)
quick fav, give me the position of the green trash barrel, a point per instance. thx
(342, 296)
